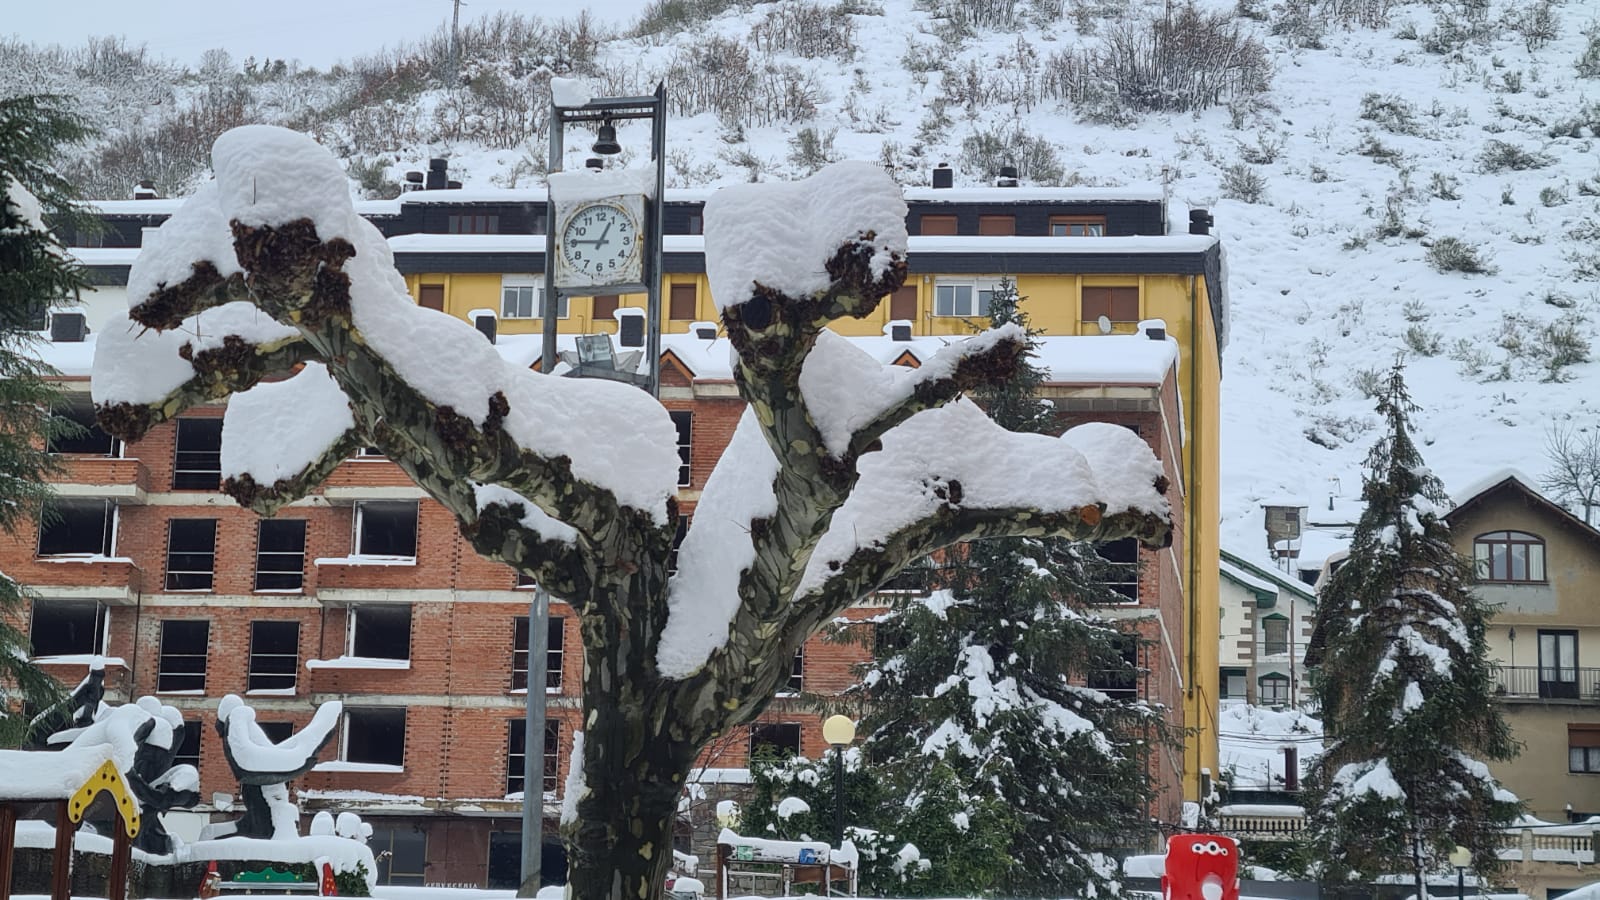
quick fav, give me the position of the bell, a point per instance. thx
(605, 142)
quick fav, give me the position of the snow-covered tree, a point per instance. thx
(1401, 672)
(264, 766)
(980, 696)
(267, 286)
(35, 272)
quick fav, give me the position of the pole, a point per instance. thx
(653, 265)
(838, 795)
(1461, 883)
(552, 303)
(533, 744)
(455, 46)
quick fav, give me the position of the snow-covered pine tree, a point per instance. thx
(978, 697)
(34, 272)
(1404, 683)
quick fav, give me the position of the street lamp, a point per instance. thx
(1461, 858)
(839, 731)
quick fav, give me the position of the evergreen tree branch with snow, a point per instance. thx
(981, 708)
(1402, 675)
(838, 470)
(35, 274)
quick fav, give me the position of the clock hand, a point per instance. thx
(601, 240)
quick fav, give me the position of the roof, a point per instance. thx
(1478, 492)
(1261, 579)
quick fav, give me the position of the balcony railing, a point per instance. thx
(1537, 683)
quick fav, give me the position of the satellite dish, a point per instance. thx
(1105, 325)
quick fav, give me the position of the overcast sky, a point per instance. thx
(316, 32)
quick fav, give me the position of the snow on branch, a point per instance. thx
(270, 459)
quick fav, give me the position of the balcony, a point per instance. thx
(114, 478)
(1522, 683)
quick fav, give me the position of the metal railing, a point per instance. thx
(1536, 682)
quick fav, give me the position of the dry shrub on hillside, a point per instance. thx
(808, 29)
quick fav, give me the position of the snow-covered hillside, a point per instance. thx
(1375, 158)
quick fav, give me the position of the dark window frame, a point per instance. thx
(516, 755)
(67, 522)
(280, 570)
(370, 518)
(1077, 226)
(1503, 570)
(384, 842)
(196, 463)
(683, 421)
(181, 661)
(775, 735)
(555, 651)
(1280, 689)
(271, 667)
(191, 567)
(363, 620)
(92, 440)
(67, 621)
(375, 750)
(1270, 645)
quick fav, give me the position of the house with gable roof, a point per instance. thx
(1267, 616)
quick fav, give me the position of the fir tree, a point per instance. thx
(1404, 684)
(34, 272)
(979, 707)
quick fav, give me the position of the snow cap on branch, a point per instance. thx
(260, 441)
(135, 364)
(781, 235)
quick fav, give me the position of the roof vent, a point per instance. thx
(488, 325)
(1200, 221)
(438, 174)
(453, 185)
(68, 327)
(146, 190)
(630, 326)
(1008, 177)
(1156, 333)
(705, 331)
(944, 176)
(900, 331)
(413, 181)
(595, 163)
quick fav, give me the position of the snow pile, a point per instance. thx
(133, 364)
(1251, 740)
(260, 440)
(253, 750)
(532, 517)
(792, 806)
(575, 789)
(781, 235)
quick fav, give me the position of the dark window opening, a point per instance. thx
(684, 422)
(476, 223)
(380, 632)
(1558, 664)
(280, 554)
(797, 673)
(77, 527)
(1121, 681)
(375, 735)
(182, 666)
(402, 855)
(67, 628)
(198, 464)
(88, 438)
(553, 655)
(274, 654)
(516, 754)
(774, 740)
(697, 223)
(1274, 690)
(1120, 572)
(1583, 748)
(1274, 635)
(677, 541)
(386, 528)
(913, 579)
(277, 732)
(189, 745)
(191, 554)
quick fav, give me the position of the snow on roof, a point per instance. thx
(1473, 488)
(58, 774)
(1250, 742)
(1316, 545)
(783, 234)
(583, 185)
(1055, 246)
(1262, 578)
(569, 93)
(1027, 194)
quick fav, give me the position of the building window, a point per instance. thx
(682, 301)
(402, 855)
(1274, 690)
(1121, 681)
(191, 554)
(1120, 570)
(182, 666)
(913, 579)
(1509, 556)
(522, 297)
(198, 463)
(937, 225)
(274, 654)
(963, 297)
(1117, 304)
(774, 740)
(1558, 664)
(89, 438)
(1077, 226)
(474, 223)
(1274, 636)
(903, 303)
(68, 628)
(386, 528)
(1233, 684)
(280, 554)
(604, 306)
(677, 541)
(189, 746)
(380, 631)
(684, 422)
(1583, 748)
(997, 226)
(525, 581)
(374, 736)
(553, 654)
(276, 732)
(797, 673)
(431, 296)
(78, 527)
(516, 754)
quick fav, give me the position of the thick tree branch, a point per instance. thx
(993, 365)
(267, 499)
(560, 566)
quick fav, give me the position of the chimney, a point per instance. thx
(453, 185)
(705, 331)
(1291, 768)
(1200, 221)
(68, 327)
(488, 325)
(943, 176)
(1008, 177)
(413, 181)
(438, 174)
(630, 327)
(146, 191)
(595, 163)
(900, 331)
(1156, 332)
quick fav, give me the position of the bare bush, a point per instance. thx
(805, 28)
(668, 17)
(1498, 156)
(1242, 182)
(1183, 59)
(1391, 112)
(968, 15)
(810, 150)
(1451, 254)
(985, 151)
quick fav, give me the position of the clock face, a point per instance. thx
(600, 244)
